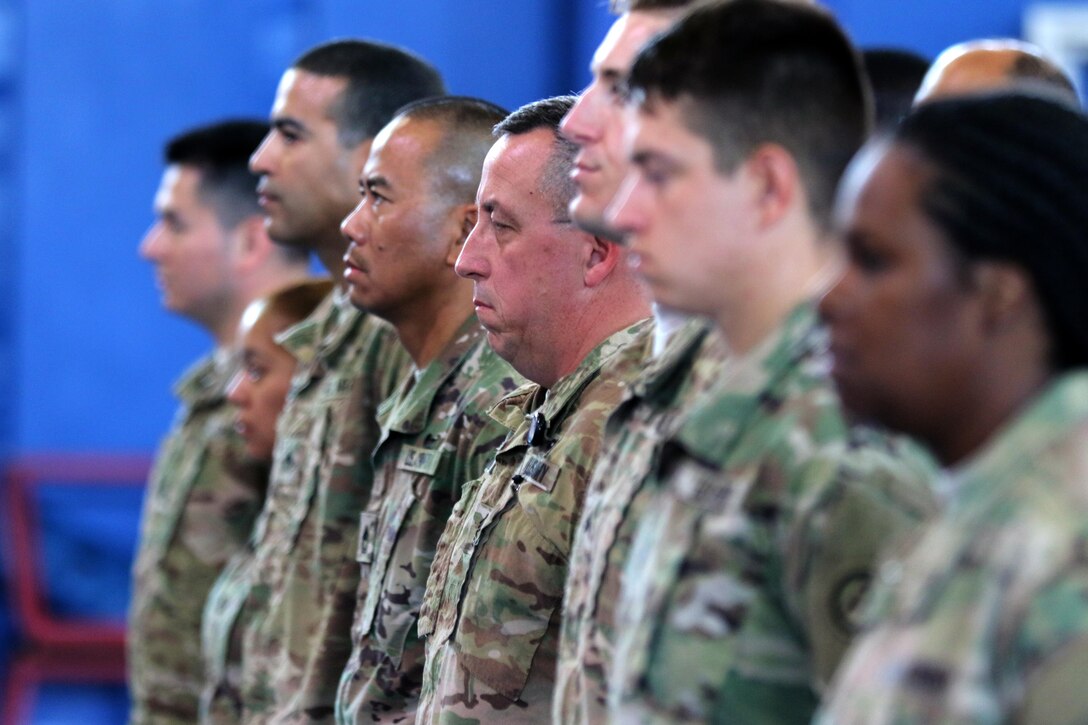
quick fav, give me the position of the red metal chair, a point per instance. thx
(56, 649)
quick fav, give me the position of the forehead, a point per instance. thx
(306, 95)
(626, 36)
(658, 129)
(514, 168)
(884, 183)
(403, 141)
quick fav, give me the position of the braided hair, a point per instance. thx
(1011, 184)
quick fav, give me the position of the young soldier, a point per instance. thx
(418, 206)
(764, 511)
(212, 257)
(676, 373)
(297, 639)
(564, 308)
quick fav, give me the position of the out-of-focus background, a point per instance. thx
(89, 90)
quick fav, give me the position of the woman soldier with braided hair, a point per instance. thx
(962, 319)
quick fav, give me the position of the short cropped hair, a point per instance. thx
(380, 79)
(466, 123)
(548, 113)
(1008, 185)
(749, 72)
(220, 152)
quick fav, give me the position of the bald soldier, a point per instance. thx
(564, 308)
(983, 65)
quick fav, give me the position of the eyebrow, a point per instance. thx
(288, 124)
(641, 158)
(376, 182)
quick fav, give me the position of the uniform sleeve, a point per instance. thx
(1051, 653)
(853, 508)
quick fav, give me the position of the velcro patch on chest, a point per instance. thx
(418, 460)
(537, 471)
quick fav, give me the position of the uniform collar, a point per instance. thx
(751, 382)
(205, 381)
(324, 332)
(1047, 420)
(550, 407)
(408, 410)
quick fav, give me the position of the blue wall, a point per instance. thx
(86, 354)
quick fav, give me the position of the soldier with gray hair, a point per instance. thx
(565, 310)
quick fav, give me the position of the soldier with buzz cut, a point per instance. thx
(764, 511)
(418, 206)
(212, 258)
(684, 359)
(297, 637)
(565, 310)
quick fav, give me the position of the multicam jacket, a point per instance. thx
(766, 515)
(297, 637)
(985, 618)
(199, 508)
(655, 402)
(221, 629)
(436, 436)
(491, 609)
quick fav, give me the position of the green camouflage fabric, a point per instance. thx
(436, 436)
(221, 631)
(765, 515)
(491, 608)
(199, 508)
(985, 618)
(297, 634)
(670, 384)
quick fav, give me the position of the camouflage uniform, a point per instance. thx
(656, 400)
(297, 636)
(491, 609)
(765, 513)
(985, 619)
(199, 508)
(221, 699)
(436, 436)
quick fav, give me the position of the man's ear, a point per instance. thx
(776, 182)
(251, 243)
(602, 259)
(464, 217)
(1005, 293)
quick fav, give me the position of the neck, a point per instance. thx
(224, 330)
(427, 325)
(589, 337)
(330, 252)
(796, 269)
(992, 398)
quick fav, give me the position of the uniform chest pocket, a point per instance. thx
(514, 590)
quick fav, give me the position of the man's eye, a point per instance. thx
(254, 373)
